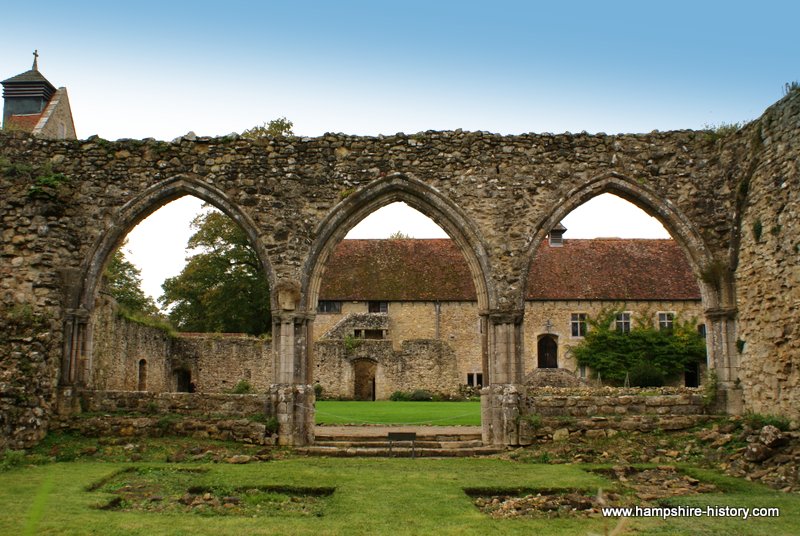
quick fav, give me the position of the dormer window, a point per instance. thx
(557, 236)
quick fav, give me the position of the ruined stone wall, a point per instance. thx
(561, 413)
(325, 321)
(768, 273)
(119, 344)
(28, 375)
(419, 364)
(221, 361)
(97, 401)
(217, 362)
(67, 204)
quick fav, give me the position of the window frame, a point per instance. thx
(578, 326)
(623, 325)
(668, 322)
(323, 307)
(382, 306)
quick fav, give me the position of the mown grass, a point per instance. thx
(372, 496)
(389, 412)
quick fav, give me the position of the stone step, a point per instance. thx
(381, 443)
(322, 436)
(397, 452)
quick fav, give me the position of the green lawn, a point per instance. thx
(372, 497)
(388, 412)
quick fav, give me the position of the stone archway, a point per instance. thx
(502, 362)
(77, 356)
(713, 276)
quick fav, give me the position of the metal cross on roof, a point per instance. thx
(36, 60)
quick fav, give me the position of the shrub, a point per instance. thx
(11, 459)
(418, 395)
(421, 395)
(710, 389)
(243, 387)
(272, 425)
(534, 420)
(646, 375)
(318, 389)
(759, 420)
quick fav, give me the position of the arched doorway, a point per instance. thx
(548, 352)
(364, 379)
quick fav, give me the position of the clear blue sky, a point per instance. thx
(159, 69)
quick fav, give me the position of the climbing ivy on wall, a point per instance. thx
(646, 353)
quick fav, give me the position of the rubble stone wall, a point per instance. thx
(768, 272)
(419, 364)
(217, 362)
(66, 205)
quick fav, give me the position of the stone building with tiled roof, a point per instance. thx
(32, 104)
(386, 298)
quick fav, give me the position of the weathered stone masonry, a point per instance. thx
(497, 196)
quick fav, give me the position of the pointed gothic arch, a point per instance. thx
(417, 195)
(679, 226)
(77, 361)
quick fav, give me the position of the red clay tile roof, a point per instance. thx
(612, 269)
(435, 270)
(24, 122)
(397, 270)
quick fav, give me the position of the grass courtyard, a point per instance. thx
(91, 494)
(389, 412)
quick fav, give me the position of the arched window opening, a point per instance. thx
(187, 286)
(142, 383)
(610, 266)
(396, 300)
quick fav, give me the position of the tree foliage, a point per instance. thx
(399, 235)
(124, 281)
(275, 128)
(645, 353)
(222, 288)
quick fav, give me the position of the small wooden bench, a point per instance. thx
(403, 436)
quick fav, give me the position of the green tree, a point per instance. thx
(124, 282)
(644, 351)
(222, 288)
(275, 128)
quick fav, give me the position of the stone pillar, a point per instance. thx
(293, 407)
(74, 364)
(723, 358)
(291, 399)
(505, 349)
(501, 400)
(500, 413)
